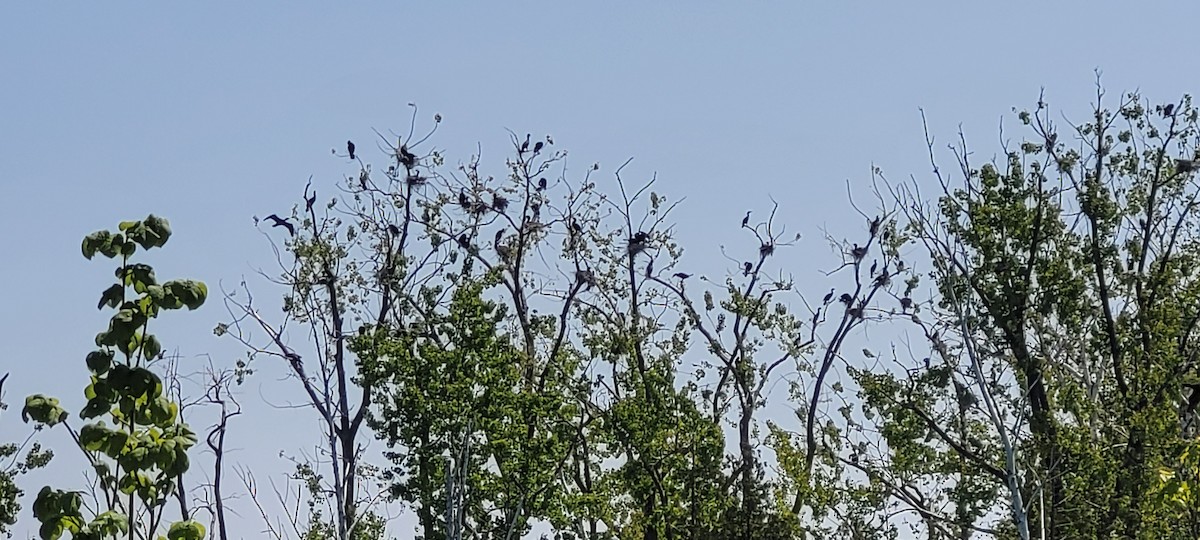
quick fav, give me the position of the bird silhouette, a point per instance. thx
(682, 275)
(499, 203)
(747, 268)
(845, 298)
(308, 202)
(541, 182)
(828, 297)
(463, 200)
(498, 237)
(746, 220)
(393, 230)
(1169, 109)
(874, 266)
(1185, 165)
(858, 252)
(277, 221)
(905, 303)
(350, 148)
(874, 226)
(537, 147)
(464, 240)
(407, 158)
(525, 145)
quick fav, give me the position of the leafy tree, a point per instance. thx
(140, 458)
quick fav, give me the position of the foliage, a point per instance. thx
(141, 456)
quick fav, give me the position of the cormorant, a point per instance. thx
(280, 222)
(746, 220)
(747, 268)
(682, 275)
(828, 297)
(350, 147)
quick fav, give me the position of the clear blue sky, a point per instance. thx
(218, 111)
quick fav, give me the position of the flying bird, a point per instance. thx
(746, 220)
(350, 147)
(277, 221)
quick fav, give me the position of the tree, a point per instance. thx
(1062, 333)
(140, 460)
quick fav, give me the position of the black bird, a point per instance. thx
(541, 182)
(393, 230)
(640, 237)
(464, 240)
(1169, 109)
(746, 220)
(858, 252)
(905, 303)
(1185, 165)
(874, 266)
(845, 298)
(525, 145)
(538, 147)
(499, 236)
(828, 298)
(308, 203)
(280, 222)
(747, 268)
(682, 275)
(463, 200)
(499, 203)
(576, 227)
(350, 147)
(926, 362)
(874, 226)
(407, 158)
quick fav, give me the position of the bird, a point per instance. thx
(350, 148)
(407, 158)
(874, 226)
(1169, 109)
(746, 220)
(845, 298)
(828, 297)
(905, 303)
(280, 222)
(308, 202)
(1185, 165)
(541, 182)
(393, 230)
(747, 267)
(464, 240)
(858, 252)
(499, 203)
(538, 147)
(463, 200)
(525, 145)
(682, 275)
(874, 266)
(499, 236)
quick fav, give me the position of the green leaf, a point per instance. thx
(112, 296)
(93, 242)
(43, 409)
(151, 347)
(99, 361)
(186, 530)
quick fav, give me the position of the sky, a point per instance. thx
(211, 113)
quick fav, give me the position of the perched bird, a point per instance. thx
(1185, 165)
(537, 147)
(905, 303)
(845, 298)
(747, 267)
(499, 203)
(1169, 109)
(308, 202)
(464, 240)
(874, 266)
(637, 243)
(280, 222)
(463, 200)
(406, 158)
(874, 226)
(746, 220)
(587, 277)
(828, 297)
(350, 148)
(541, 182)
(682, 275)
(858, 252)
(525, 145)
(499, 236)
(393, 230)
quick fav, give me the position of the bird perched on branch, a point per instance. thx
(538, 147)
(1169, 109)
(1185, 165)
(350, 148)
(828, 298)
(682, 275)
(747, 268)
(499, 203)
(406, 158)
(277, 221)
(541, 181)
(858, 252)
(746, 220)
(637, 243)
(525, 145)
